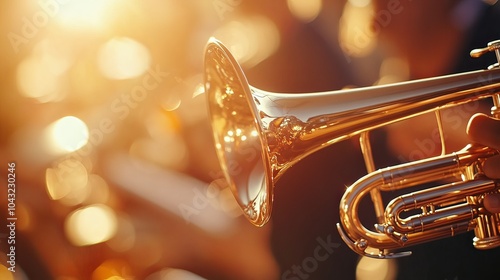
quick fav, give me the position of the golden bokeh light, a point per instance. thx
(165, 145)
(187, 101)
(123, 58)
(199, 89)
(160, 123)
(39, 76)
(250, 39)
(69, 133)
(305, 10)
(171, 102)
(55, 188)
(91, 225)
(113, 269)
(98, 190)
(356, 37)
(393, 70)
(168, 150)
(68, 176)
(76, 195)
(84, 14)
(376, 269)
(113, 162)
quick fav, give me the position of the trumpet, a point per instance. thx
(259, 135)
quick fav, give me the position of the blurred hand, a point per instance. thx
(485, 130)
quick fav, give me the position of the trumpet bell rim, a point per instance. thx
(240, 141)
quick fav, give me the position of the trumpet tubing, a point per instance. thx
(446, 210)
(259, 135)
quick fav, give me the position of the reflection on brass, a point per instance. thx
(260, 134)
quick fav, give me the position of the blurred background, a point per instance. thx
(103, 112)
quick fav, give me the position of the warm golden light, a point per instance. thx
(84, 14)
(35, 83)
(112, 270)
(199, 89)
(250, 39)
(98, 190)
(5, 273)
(167, 150)
(393, 70)
(123, 58)
(68, 176)
(39, 76)
(171, 102)
(91, 225)
(380, 269)
(69, 133)
(77, 195)
(305, 10)
(356, 36)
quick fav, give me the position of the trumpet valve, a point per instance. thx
(492, 46)
(487, 231)
(389, 230)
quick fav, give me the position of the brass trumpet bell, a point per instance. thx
(240, 140)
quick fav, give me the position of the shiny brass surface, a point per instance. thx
(259, 135)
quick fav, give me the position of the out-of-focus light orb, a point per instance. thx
(39, 76)
(69, 133)
(198, 90)
(91, 225)
(168, 150)
(67, 176)
(84, 14)
(376, 269)
(356, 35)
(393, 70)
(171, 102)
(123, 58)
(35, 82)
(305, 10)
(250, 39)
(98, 190)
(77, 194)
(112, 269)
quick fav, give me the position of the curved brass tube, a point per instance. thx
(431, 224)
